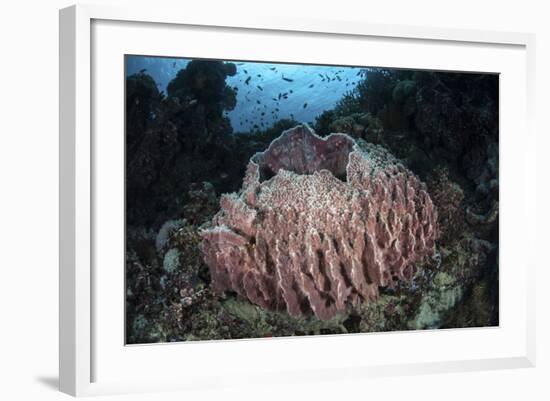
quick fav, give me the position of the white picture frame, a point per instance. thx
(83, 344)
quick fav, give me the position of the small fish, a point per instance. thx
(257, 101)
(142, 70)
(359, 73)
(260, 88)
(290, 91)
(193, 102)
(311, 86)
(240, 63)
(321, 75)
(287, 79)
(273, 68)
(280, 96)
(247, 80)
(274, 99)
(292, 116)
(305, 105)
(338, 77)
(259, 75)
(174, 64)
(245, 71)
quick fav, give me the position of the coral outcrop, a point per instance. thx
(318, 224)
(176, 138)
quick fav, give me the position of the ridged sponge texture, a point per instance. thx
(319, 223)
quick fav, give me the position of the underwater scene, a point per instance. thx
(270, 199)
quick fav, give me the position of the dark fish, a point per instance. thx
(311, 86)
(260, 88)
(273, 68)
(142, 70)
(292, 116)
(274, 99)
(338, 77)
(174, 64)
(290, 91)
(257, 101)
(247, 80)
(245, 71)
(279, 96)
(359, 73)
(287, 79)
(305, 105)
(321, 75)
(240, 63)
(259, 75)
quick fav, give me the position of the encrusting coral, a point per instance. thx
(319, 223)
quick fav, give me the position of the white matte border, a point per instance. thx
(135, 368)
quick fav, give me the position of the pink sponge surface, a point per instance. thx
(319, 223)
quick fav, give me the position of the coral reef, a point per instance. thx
(319, 223)
(181, 153)
(177, 139)
(447, 197)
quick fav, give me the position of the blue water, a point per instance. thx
(307, 91)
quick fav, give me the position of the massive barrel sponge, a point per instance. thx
(318, 223)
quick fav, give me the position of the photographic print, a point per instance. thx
(268, 199)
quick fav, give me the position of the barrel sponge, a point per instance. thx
(319, 223)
